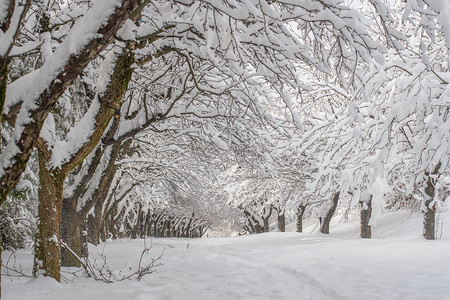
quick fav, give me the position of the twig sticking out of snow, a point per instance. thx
(104, 273)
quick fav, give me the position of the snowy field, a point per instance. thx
(396, 264)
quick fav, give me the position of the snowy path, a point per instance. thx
(396, 264)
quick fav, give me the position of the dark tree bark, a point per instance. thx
(93, 229)
(325, 226)
(47, 256)
(4, 66)
(266, 216)
(281, 221)
(4, 69)
(71, 235)
(366, 213)
(300, 211)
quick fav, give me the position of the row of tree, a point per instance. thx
(129, 118)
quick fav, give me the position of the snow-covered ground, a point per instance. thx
(397, 263)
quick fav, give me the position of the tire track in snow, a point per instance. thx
(271, 280)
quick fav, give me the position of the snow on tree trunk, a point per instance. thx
(366, 212)
(325, 226)
(429, 210)
(300, 211)
(83, 235)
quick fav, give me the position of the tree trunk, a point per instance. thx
(325, 226)
(281, 222)
(93, 230)
(300, 211)
(83, 235)
(266, 218)
(188, 226)
(266, 224)
(70, 234)
(429, 210)
(429, 217)
(366, 213)
(47, 256)
(52, 179)
(4, 66)
(4, 69)
(134, 230)
(0, 274)
(169, 227)
(258, 228)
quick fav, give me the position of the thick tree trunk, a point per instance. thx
(429, 210)
(325, 226)
(366, 213)
(47, 256)
(70, 234)
(300, 211)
